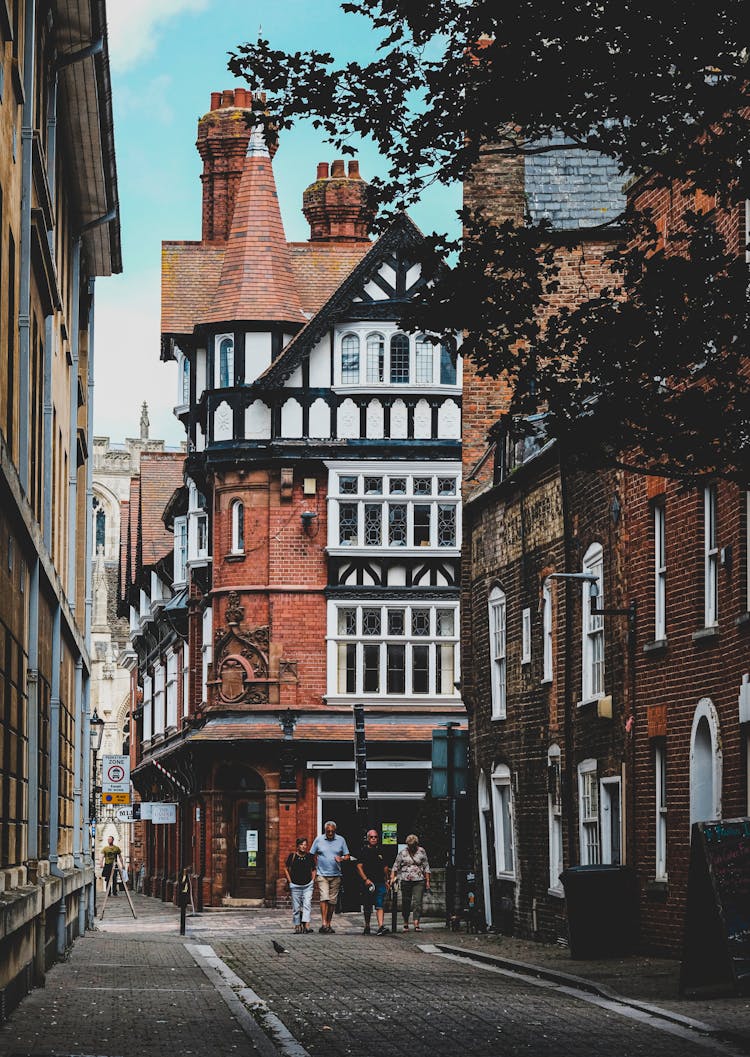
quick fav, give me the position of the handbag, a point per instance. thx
(123, 875)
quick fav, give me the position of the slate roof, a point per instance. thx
(321, 727)
(573, 188)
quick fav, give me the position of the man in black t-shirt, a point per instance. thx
(374, 869)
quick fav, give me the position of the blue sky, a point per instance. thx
(167, 57)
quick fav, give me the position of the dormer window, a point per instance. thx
(179, 572)
(399, 359)
(224, 362)
(350, 359)
(238, 527)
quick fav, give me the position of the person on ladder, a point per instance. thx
(111, 858)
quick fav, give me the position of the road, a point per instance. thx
(137, 989)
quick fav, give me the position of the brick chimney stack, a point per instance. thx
(336, 205)
(223, 135)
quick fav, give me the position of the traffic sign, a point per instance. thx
(129, 814)
(116, 775)
(115, 798)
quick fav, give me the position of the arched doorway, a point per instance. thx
(245, 819)
(705, 764)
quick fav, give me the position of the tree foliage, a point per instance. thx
(652, 368)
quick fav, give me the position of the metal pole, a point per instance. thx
(450, 870)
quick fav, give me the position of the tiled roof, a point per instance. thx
(325, 727)
(256, 281)
(321, 267)
(573, 188)
(161, 473)
(190, 273)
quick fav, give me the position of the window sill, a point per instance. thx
(743, 620)
(656, 647)
(657, 889)
(506, 877)
(588, 702)
(547, 681)
(556, 893)
(238, 557)
(496, 718)
(706, 635)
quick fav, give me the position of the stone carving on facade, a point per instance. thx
(288, 670)
(241, 672)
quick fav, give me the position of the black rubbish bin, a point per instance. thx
(602, 909)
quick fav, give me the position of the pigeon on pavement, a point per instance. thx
(278, 948)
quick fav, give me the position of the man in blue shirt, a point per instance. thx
(330, 851)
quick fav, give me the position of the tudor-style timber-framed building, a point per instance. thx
(317, 535)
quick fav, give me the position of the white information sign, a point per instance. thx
(252, 840)
(115, 774)
(146, 810)
(163, 813)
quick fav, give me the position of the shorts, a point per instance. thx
(377, 898)
(328, 888)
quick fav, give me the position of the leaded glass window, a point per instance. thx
(373, 485)
(446, 485)
(446, 525)
(371, 621)
(420, 621)
(424, 360)
(396, 622)
(422, 519)
(420, 669)
(373, 525)
(375, 357)
(350, 359)
(396, 668)
(445, 622)
(399, 359)
(397, 525)
(348, 522)
(347, 485)
(347, 622)
(397, 486)
(422, 486)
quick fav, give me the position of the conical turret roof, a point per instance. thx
(257, 281)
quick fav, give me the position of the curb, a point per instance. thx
(580, 983)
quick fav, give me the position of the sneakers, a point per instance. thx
(382, 931)
(323, 929)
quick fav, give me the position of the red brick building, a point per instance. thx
(317, 534)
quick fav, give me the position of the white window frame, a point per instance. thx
(238, 526)
(180, 550)
(710, 557)
(159, 698)
(548, 652)
(171, 690)
(185, 680)
(502, 812)
(555, 819)
(207, 650)
(593, 661)
(148, 708)
(660, 572)
(342, 645)
(660, 790)
(380, 377)
(384, 499)
(350, 335)
(497, 616)
(589, 835)
(217, 361)
(526, 636)
(610, 790)
(183, 382)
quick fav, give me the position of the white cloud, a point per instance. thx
(135, 25)
(127, 369)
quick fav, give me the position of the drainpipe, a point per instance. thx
(89, 591)
(569, 703)
(87, 781)
(24, 306)
(54, 778)
(73, 456)
(48, 440)
(32, 690)
(77, 752)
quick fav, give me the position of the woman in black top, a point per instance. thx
(300, 874)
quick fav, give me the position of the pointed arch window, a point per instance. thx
(238, 527)
(350, 359)
(225, 363)
(399, 359)
(447, 366)
(375, 357)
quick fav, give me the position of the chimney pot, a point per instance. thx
(227, 98)
(337, 170)
(354, 170)
(215, 100)
(322, 170)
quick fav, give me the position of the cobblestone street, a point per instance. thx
(136, 988)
